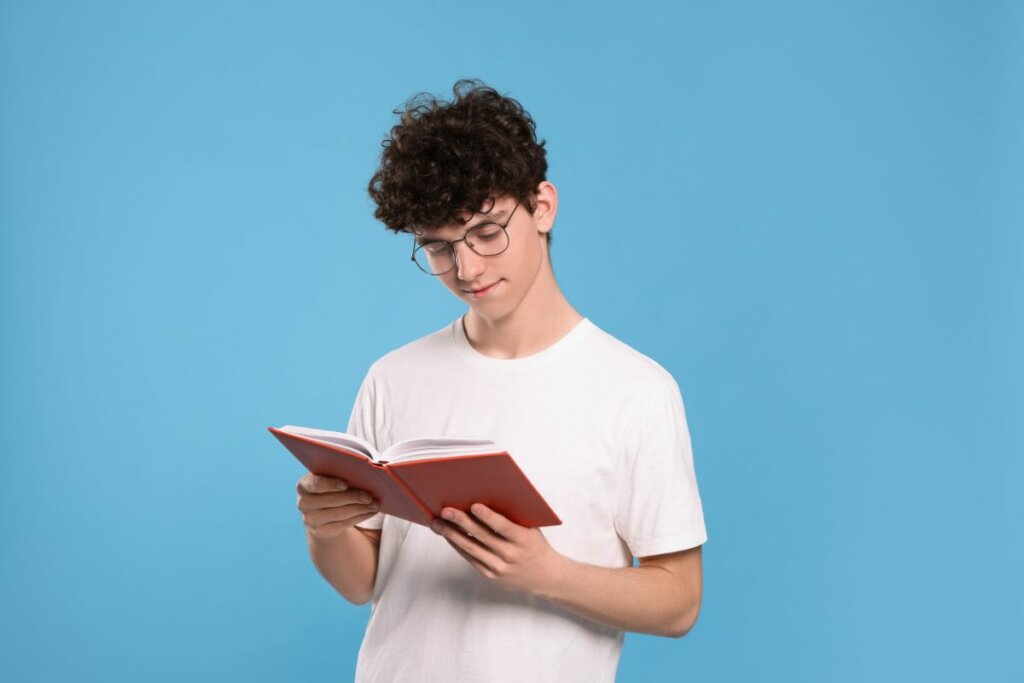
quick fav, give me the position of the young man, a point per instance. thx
(598, 428)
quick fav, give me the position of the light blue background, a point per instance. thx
(810, 213)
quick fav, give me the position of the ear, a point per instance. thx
(546, 206)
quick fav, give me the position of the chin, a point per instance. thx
(493, 311)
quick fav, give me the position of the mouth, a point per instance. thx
(476, 294)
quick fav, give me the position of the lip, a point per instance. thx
(482, 292)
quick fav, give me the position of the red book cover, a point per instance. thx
(417, 489)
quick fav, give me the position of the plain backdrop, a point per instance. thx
(809, 213)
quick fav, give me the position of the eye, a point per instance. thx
(435, 248)
(487, 233)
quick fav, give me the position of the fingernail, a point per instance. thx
(342, 485)
(365, 498)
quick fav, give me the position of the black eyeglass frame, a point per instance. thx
(451, 243)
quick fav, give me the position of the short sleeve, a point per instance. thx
(658, 508)
(362, 422)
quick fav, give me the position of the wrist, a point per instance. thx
(557, 578)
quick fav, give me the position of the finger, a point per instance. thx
(474, 528)
(329, 527)
(337, 514)
(497, 522)
(318, 483)
(480, 566)
(478, 552)
(319, 501)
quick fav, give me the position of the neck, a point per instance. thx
(542, 318)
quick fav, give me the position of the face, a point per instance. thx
(495, 286)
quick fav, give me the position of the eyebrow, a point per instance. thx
(489, 219)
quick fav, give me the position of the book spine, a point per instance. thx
(428, 515)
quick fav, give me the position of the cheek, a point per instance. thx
(450, 281)
(528, 261)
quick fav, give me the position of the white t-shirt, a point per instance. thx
(598, 428)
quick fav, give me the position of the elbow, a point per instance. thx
(356, 597)
(358, 600)
(680, 629)
(684, 623)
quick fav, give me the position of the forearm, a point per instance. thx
(641, 599)
(348, 562)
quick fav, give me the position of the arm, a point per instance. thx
(344, 554)
(662, 596)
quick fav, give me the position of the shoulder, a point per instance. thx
(413, 355)
(628, 368)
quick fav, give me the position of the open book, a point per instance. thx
(414, 479)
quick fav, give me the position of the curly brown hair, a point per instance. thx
(445, 160)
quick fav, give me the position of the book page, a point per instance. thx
(347, 441)
(438, 447)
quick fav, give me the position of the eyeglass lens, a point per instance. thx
(488, 239)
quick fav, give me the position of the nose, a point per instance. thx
(469, 263)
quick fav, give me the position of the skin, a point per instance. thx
(525, 314)
(345, 555)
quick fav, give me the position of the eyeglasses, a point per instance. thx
(437, 257)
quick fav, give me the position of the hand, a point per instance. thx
(515, 557)
(329, 506)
